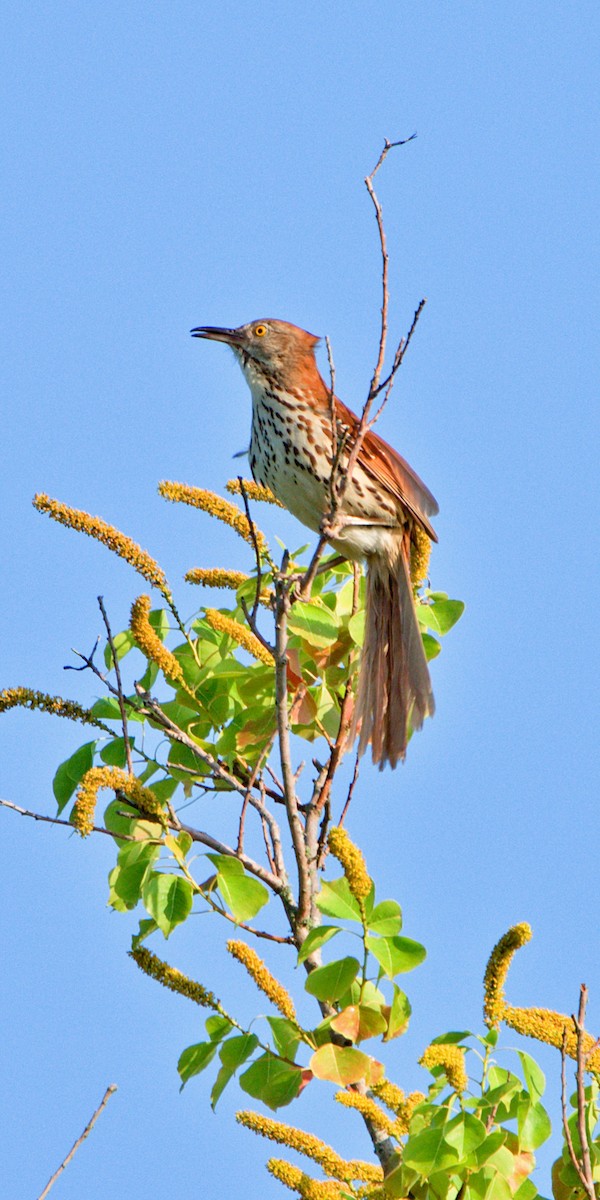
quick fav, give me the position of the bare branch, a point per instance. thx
(587, 1177)
(282, 607)
(120, 693)
(27, 812)
(92, 1121)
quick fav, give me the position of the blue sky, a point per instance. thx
(166, 166)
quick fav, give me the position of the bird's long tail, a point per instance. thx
(394, 689)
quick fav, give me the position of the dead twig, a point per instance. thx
(583, 1165)
(282, 607)
(26, 812)
(120, 693)
(92, 1121)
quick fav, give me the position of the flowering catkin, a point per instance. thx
(497, 970)
(213, 504)
(551, 1027)
(21, 697)
(263, 978)
(452, 1060)
(149, 642)
(254, 491)
(297, 1181)
(351, 859)
(244, 637)
(171, 978)
(119, 543)
(111, 777)
(311, 1146)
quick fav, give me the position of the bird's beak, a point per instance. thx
(231, 336)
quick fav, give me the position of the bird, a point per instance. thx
(384, 506)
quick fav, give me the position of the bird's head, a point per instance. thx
(276, 346)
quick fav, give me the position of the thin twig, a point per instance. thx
(251, 618)
(27, 812)
(350, 790)
(120, 692)
(92, 1121)
(587, 1177)
(282, 607)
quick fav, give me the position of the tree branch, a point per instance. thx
(92, 1121)
(120, 693)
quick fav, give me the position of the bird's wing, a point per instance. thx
(389, 468)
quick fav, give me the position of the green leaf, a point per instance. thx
(465, 1133)
(233, 1052)
(195, 1059)
(107, 709)
(145, 928)
(487, 1184)
(114, 753)
(336, 900)
(534, 1076)
(431, 646)
(285, 1036)
(452, 1038)
(126, 880)
(122, 820)
(344, 1065)
(396, 954)
(315, 939)
(123, 643)
(313, 623)
(399, 1015)
(386, 918)
(429, 1151)
(331, 981)
(168, 899)
(534, 1126)
(217, 1027)
(71, 772)
(356, 627)
(492, 1143)
(447, 613)
(243, 895)
(271, 1080)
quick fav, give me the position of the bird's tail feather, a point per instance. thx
(394, 690)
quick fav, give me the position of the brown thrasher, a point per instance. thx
(291, 452)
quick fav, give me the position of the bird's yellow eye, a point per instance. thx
(260, 330)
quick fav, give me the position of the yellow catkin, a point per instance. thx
(263, 978)
(548, 1026)
(497, 970)
(215, 506)
(118, 542)
(169, 977)
(351, 859)
(452, 1061)
(368, 1109)
(402, 1106)
(244, 637)
(217, 578)
(214, 577)
(150, 644)
(420, 552)
(111, 777)
(21, 697)
(312, 1147)
(254, 491)
(392, 1096)
(297, 1181)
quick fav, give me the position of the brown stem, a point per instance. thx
(26, 812)
(92, 1121)
(282, 607)
(120, 693)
